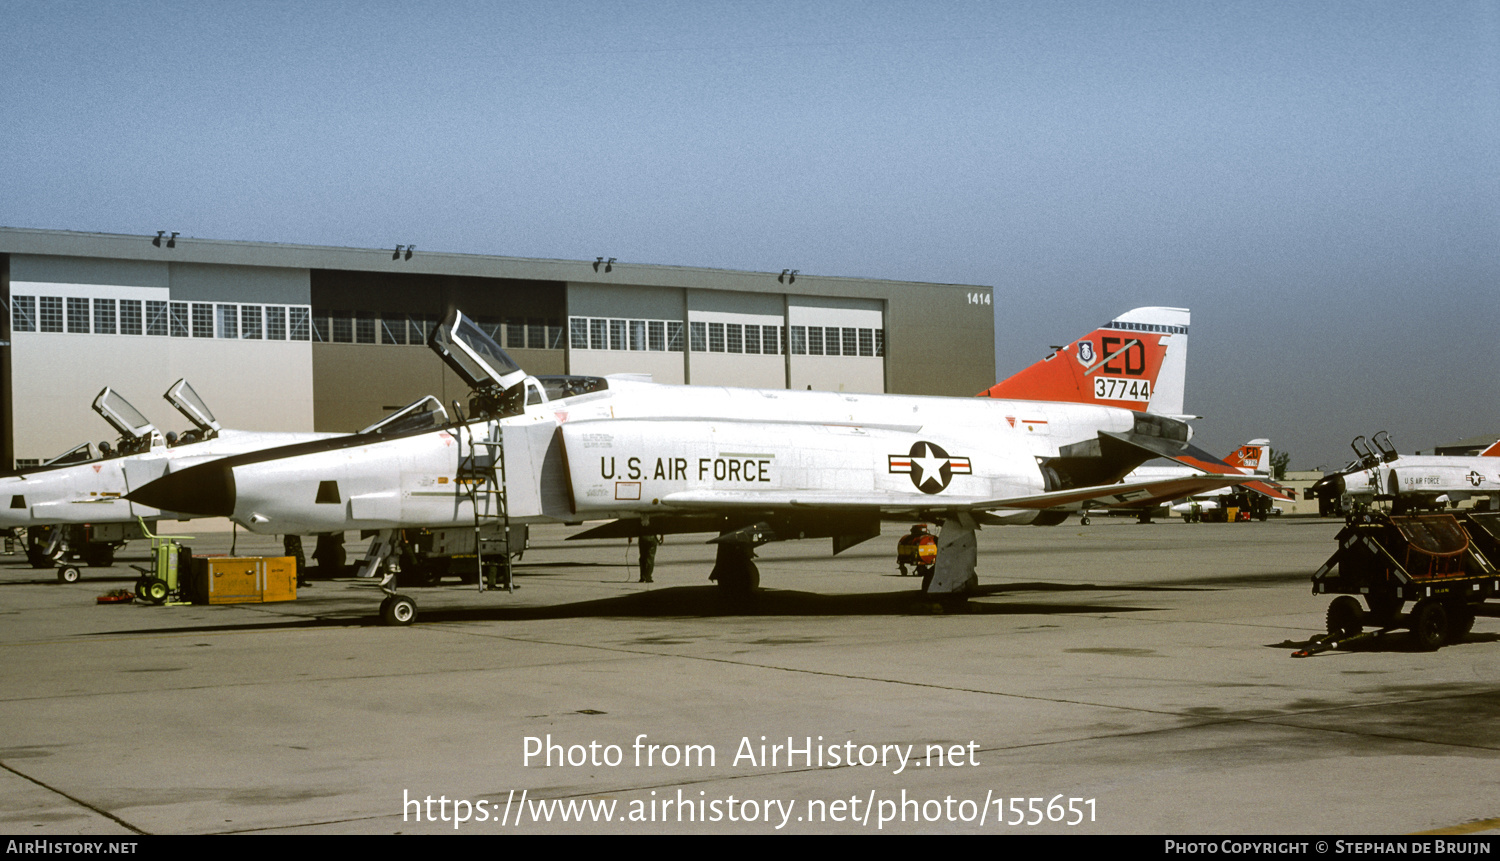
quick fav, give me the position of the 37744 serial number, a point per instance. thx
(1119, 389)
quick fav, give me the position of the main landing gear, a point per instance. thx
(734, 569)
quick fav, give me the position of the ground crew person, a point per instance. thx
(648, 556)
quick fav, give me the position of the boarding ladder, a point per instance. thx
(481, 475)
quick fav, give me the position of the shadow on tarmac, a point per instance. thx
(701, 602)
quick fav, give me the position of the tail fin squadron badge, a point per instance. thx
(930, 468)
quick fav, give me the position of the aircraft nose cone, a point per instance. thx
(206, 491)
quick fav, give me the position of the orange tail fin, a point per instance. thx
(1137, 361)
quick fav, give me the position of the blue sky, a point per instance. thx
(1319, 182)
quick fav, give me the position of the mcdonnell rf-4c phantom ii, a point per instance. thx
(72, 492)
(751, 465)
(1411, 482)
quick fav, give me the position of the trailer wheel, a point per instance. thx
(1429, 624)
(398, 610)
(155, 591)
(1460, 622)
(1345, 617)
(68, 574)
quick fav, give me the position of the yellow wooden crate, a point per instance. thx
(244, 579)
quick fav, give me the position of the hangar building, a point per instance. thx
(296, 337)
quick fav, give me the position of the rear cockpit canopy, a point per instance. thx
(473, 355)
(135, 431)
(187, 402)
(425, 414)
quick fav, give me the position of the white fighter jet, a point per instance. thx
(750, 465)
(78, 489)
(1411, 482)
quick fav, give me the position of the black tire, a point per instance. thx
(1084, 520)
(1345, 617)
(155, 591)
(398, 610)
(69, 574)
(140, 588)
(1429, 624)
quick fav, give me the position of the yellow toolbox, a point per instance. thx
(244, 579)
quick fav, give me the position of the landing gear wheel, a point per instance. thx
(734, 571)
(1429, 624)
(398, 610)
(68, 574)
(1345, 617)
(1460, 622)
(1084, 520)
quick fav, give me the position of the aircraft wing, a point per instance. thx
(1133, 493)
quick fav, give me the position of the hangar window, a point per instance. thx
(51, 317)
(341, 327)
(393, 329)
(515, 334)
(275, 323)
(853, 343)
(78, 316)
(156, 318)
(418, 327)
(698, 335)
(617, 334)
(597, 338)
(798, 340)
(364, 327)
(130, 317)
(752, 339)
(637, 334)
(250, 325)
(656, 336)
(815, 340)
(229, 321)
(179, 320)
(771, 340)
(23, 313)
(674, 336)
(536, 334)
(578, 333)
(299, 323)
(104, 316)
(203, 320)
(716, 337)
(880, 342)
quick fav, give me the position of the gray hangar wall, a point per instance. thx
(284, 337)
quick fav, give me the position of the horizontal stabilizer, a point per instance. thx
(1190, 455)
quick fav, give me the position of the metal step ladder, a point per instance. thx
(482, 472)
